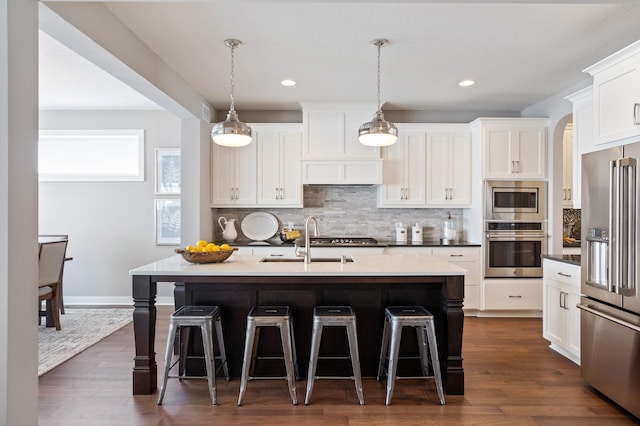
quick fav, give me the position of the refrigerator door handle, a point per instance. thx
(622, 322)
(613, 214)
(625, 284)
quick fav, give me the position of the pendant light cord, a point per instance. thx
(233, 49)
(379, 46)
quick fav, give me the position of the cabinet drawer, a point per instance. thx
(513, 294)
(561, 272)
(458, 254)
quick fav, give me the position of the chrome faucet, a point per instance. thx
(307, 247)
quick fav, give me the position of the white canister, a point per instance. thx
(416, 233)
(401, 233)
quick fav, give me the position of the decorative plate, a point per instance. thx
(259, 226)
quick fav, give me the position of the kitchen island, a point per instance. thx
(368, 284)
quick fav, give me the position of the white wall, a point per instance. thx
(18, 212)
(110, 224)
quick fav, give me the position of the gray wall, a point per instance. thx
(110, 224)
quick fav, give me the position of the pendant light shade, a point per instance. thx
(231, 132)
(378, 131)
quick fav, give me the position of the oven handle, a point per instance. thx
(514, 235)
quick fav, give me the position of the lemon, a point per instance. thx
(209, 246)
(189, 248)
(225, 246)
(215, 248)
(201, 243)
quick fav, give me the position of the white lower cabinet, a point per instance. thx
(522, 294)
(561, 317)
(465, 257)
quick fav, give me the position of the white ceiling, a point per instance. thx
(519, 52)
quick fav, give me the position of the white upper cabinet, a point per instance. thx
(449, 168)
(567, 167)
(582, 137)
(233, 174)
(403, 171)
(278, 174)
(331, 152)
(514, 148)
(616, 96)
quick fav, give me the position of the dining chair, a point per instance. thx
(50, 266)
(57, 237)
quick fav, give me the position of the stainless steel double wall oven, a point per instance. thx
(515, 228)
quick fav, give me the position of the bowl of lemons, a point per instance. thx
(206, 252)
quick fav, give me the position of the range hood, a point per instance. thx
(332, 154)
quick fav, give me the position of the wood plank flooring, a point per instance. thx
(512, 378)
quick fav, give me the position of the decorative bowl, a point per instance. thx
(206, 257)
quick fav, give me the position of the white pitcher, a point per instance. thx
(228, 227)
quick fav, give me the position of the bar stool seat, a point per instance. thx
(203, 317)
(422, 320)
(269, 316)
(328, 316)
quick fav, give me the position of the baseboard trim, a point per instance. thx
(110, 301)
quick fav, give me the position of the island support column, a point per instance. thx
(453, 297)
(145, 370)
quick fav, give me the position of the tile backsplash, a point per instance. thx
(572, 217)
(349, 211)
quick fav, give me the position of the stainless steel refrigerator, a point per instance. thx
(610, 305)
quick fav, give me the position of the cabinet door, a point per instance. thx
(498, 161)
(291, 179)
(449, 169)
(529, 153)
(554, 315)
(573, 322)
(616, 93)
(269, 167)
(567, 167)
(245, 175)
(403, 176)
(223, 176)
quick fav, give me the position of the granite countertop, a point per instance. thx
(240, 265)
(573, 259)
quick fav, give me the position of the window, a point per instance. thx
(91, 155)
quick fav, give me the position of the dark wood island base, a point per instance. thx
(368, 295)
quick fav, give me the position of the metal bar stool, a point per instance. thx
(203, 317)
(397, 317)
(269, 316)
(328, 316)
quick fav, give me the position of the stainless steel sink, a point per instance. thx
(343, 259)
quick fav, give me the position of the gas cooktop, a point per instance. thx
(343, 241)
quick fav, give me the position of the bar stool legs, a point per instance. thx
(274, 316)
(334, 316)
(413, 316)
(196, 316)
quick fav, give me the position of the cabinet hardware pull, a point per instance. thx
(456, 255)
(562, 300)
(564, 275)
(517, 166)
(282, 193)
(515, 297)
(564, 197)
(569, 191)
(636, 114)
(565, 301)
(237, 194)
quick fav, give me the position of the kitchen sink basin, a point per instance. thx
(347, 259)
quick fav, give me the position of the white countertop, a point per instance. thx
(363, 265)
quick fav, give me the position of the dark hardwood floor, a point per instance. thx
(511, 378)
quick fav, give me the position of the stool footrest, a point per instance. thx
(335, 377)
(267, 378)
(334, 357)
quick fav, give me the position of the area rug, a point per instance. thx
(81, 329)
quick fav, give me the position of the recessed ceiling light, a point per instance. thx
(288, 83)
(466, 83)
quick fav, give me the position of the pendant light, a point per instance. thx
(231, 132)
(378, 132)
